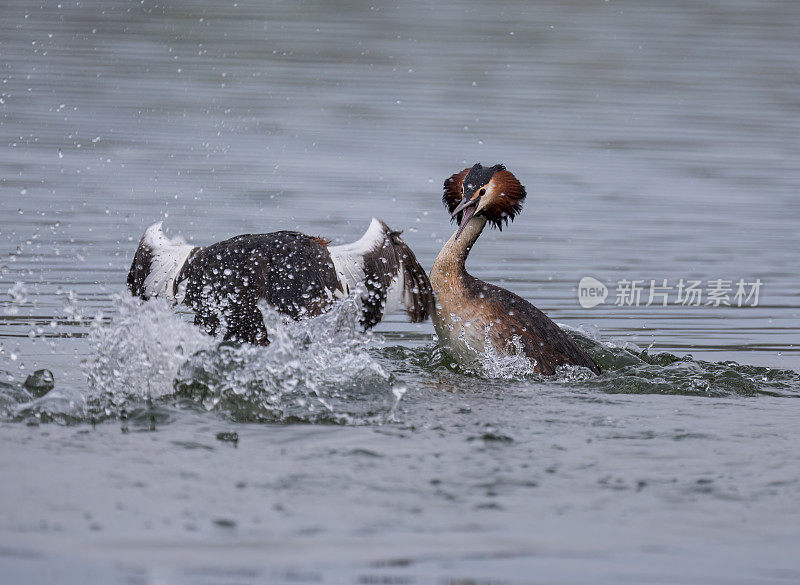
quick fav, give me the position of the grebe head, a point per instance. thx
(492, 192)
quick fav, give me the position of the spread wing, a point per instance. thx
(385, 268)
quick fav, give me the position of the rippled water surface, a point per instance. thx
(658, 141)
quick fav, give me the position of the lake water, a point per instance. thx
(657, 142)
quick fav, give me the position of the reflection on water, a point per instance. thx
(657, 141)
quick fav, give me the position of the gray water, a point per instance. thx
(657, 141)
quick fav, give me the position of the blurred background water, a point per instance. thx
(657, 141)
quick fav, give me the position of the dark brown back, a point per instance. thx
(542, 340)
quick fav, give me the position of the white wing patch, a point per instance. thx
(167, 258)
(348, 259)
(395, 297)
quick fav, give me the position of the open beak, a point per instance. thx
(468, 206)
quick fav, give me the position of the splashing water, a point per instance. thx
(507, 365)
(70, 306)
(510, 364)
(316, 370)
(137, 355)
(326, 369)
(18, 295)
(626, 369)
(11, 395)
(62, 405)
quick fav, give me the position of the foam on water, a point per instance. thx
(630, 370)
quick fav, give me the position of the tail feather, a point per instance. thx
(157, 264)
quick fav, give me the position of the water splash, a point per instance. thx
(11, 395)
(64, 405)
(630, 370)
(36, 400)
(487, 361)
(626, 369)
(70, 307)
(19, 296)
(146, 361)
(511, 364)
(315, 370)
(137, 355)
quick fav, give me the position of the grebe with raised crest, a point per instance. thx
(471, 313)
(295, 274)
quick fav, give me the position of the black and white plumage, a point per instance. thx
(298, 275)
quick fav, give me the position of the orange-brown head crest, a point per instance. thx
(492, 192)
(453, 190)
(506, 196)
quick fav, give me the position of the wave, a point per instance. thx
(627, 369)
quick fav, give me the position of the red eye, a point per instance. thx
(482, 192)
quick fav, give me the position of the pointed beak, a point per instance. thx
(464, 203)
(468, 207)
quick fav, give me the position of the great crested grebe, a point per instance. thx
(298, 275)
(471, 313)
